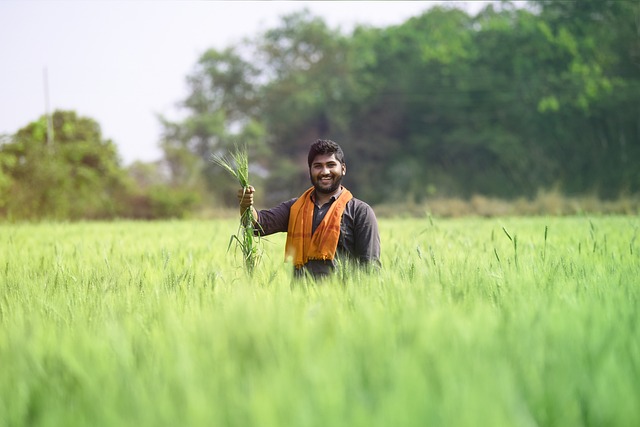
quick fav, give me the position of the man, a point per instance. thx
(326, 225)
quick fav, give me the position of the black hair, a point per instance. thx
(325, 146)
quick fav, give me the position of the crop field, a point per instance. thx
(471, 322)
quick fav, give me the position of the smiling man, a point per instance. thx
(326, 225)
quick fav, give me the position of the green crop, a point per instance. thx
(153, 324)
(246, 239)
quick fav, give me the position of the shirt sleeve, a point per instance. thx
(367, 236)
(275, 220)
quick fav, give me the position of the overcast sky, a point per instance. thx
(122, 62)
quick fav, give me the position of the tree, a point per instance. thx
(77, 176)
(305, 96)
(505, 103)
(220, 113)
(6, 182)
(595, 120)
(402, 127)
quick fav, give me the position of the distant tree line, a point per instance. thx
(505, 104)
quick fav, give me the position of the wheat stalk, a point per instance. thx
(246, 239)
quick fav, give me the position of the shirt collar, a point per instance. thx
(331, 200)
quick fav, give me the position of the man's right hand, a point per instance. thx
(245, 197)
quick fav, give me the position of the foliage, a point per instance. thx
(77, 175)
(220, 112)
(309, 75)
(506, 103)
(153, 196)
(150, 324)
(601, 87)
(510, 103)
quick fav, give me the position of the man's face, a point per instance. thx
(326, 173)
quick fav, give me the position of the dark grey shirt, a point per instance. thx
(359, 239)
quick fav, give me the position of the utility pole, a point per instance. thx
(46, 107)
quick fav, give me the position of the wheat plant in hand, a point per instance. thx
(246, 238)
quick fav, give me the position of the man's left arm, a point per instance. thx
(367, 236)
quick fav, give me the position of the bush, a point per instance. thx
(160, 202)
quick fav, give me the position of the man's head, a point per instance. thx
(326, 166)
(325, 146)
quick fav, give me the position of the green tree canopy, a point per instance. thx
(505, 103)
(76, 175)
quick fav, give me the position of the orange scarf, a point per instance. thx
(303, 246)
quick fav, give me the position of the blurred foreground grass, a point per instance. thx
(501, 322)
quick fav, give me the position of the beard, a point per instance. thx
(335, 184)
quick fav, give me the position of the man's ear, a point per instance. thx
(344, 169)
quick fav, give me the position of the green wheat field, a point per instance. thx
(471, 322)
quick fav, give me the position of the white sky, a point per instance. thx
(121, 62)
